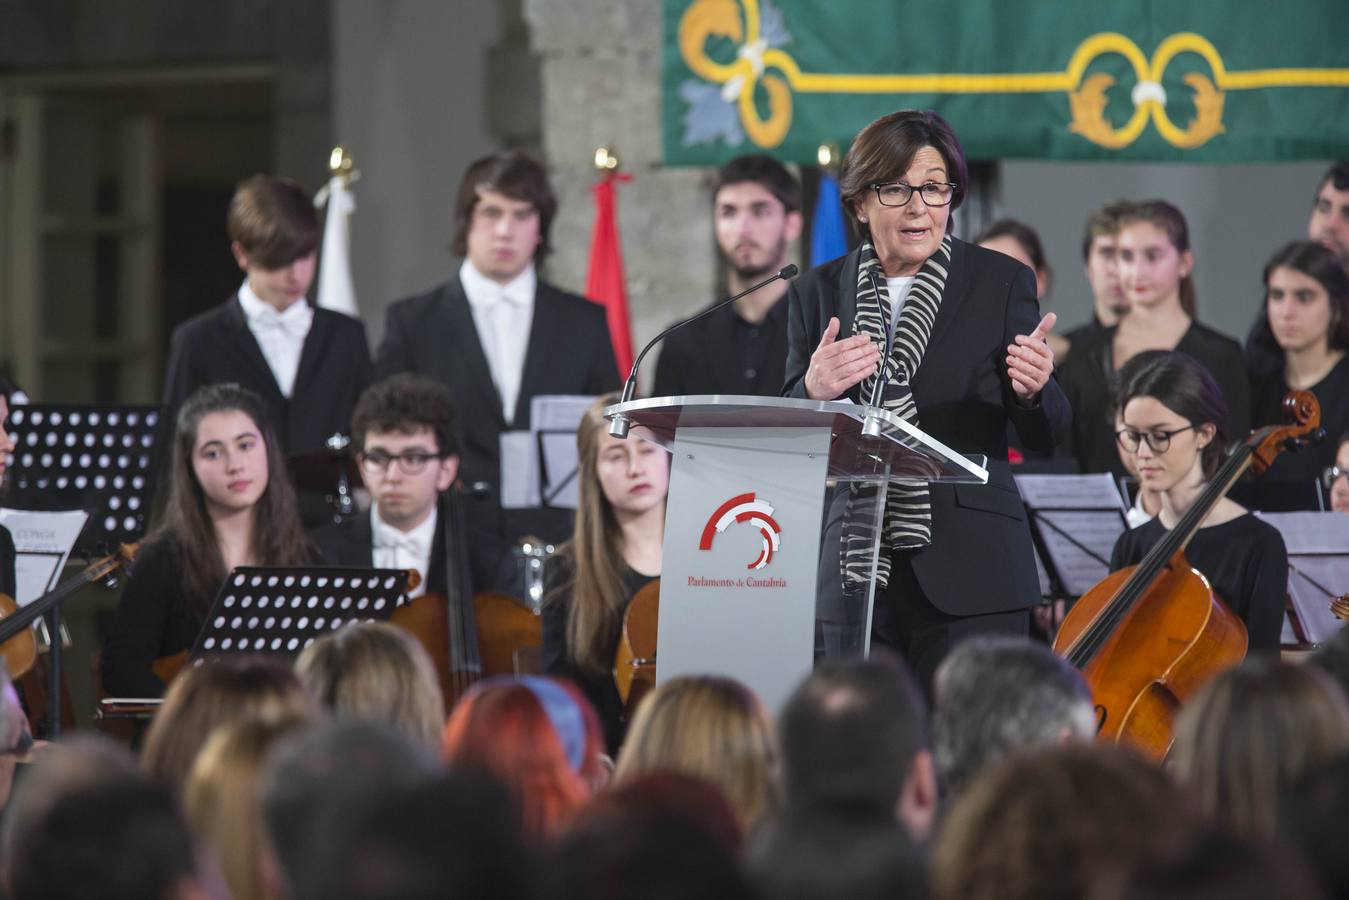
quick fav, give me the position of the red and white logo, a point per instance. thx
(745, 508)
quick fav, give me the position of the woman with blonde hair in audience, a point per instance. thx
(221, 692)
(713, 728)
(376, 671)
(1156, 267)
(614, 552)
(540, 738)
(1249, 734)
(222, 802)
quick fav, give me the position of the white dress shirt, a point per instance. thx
(280, 335)
(503, 315)
(394, 549)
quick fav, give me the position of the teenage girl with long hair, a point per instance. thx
(615, 551)
(230, 504)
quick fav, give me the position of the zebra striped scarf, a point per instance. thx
(908, 512)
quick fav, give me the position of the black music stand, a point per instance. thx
(280, 611)
(103, 459)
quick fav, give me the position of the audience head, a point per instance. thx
(1168, 400)
(996, 696)
(1155, 260)
(1053, 824)
(219, 692)
(637, 844)
(854, 738)
(1332, 657)
(756, 206)
(503, 213)
(87, 822)
(618, 481)
(1216, 865)
(1100, 256)
(226, 458)
(696, 799)
(221, 800)
(538, 737)
(1250, 733)
(317, 784)
(1311, 816)
(454, 835)
(372, 670)
(713, 728)
(819, 855)
(405, 432)
(1306, 301)
(1329, 223)
(1018, 240)
(274, 236)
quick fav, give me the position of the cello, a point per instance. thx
(1148, 636)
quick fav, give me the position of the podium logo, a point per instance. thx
(745, 508)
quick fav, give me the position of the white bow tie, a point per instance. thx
(294, 321)
(392, 540)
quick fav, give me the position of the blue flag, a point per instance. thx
(828, 239)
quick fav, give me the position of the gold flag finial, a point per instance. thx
(340, 162)
(606, 160)
(827, 156)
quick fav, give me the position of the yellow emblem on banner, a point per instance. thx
(757, 63)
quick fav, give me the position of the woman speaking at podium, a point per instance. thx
(968, 354)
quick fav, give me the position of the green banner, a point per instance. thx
(1221, 81)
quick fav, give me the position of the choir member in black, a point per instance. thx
(230, 504)
(742, 348)
(498, 336)
(620, 523)
(1175, 428)
(1100, 241)
(404, 432)
(1303, 329)
(1014, 238)
(1156, 269)
(308, 365)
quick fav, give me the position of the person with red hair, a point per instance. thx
(537, 736)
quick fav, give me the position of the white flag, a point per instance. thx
(336, 291)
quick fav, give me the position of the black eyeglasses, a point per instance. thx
(1159, 441)
(1332, 474)
(897, 193)
(410, 462)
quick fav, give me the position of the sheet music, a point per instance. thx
(1070, 491)
(1079, 519)
(1318, 566)
(42, 543)
(1311, 532)
(553, 421)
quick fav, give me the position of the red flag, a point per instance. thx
(604, 279)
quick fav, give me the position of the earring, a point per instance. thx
(862, 219)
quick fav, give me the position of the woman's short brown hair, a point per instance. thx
(514, 175)
(884, 150)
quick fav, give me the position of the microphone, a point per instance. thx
(619, 424)
(879, 385)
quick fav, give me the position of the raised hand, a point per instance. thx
(837, 365)
(1030, 362)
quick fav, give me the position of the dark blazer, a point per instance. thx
(704, 358)
(569, 352)
(7, 563)
(351, 543)
(981, 558)
(216, 346)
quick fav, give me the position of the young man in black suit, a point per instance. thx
(404, 432)
(309, 365)
(742, 348)
(498, 336)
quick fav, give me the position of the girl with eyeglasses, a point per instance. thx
(1303, 328)
(1156, 269)
(615, 551)
(230, 504)
(1337, 476)
(1175, 428)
